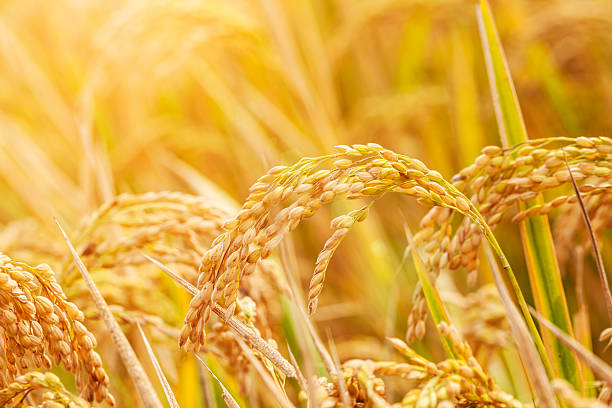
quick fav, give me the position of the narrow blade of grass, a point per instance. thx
(596, 253)
(505, 102)
(527, 350)
(278, 394)
(300, 377)
(432, 297)
(134, 368)
(599, 367)
(246, 333)
(177, 278)
(227, 397)
(299, 341)
(158, 370)
(538, 246)
(344, 395)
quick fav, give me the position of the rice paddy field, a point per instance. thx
(308, 203)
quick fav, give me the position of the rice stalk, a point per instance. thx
(227, 397)
(536, 370)
(158, 370)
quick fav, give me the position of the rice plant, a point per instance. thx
(305, 204)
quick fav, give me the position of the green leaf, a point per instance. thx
(432, 297)
(599, 367)
(538, 246)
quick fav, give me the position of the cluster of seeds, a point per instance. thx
(340, 227)
(223, 342)
(47, 386)
(364, 389)
(496, 182)
(457, 382)
(175, 228)
(285, 196)
(40, 327)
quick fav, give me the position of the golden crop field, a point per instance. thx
(308, 203)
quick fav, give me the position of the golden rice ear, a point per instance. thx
(41, 327)
(34, 381)
(297, 192)
(246, 333)
(358, 171)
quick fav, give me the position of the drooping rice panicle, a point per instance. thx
(304, 187)
(285, 196)
(496, 182)
(341, 226)
(55, 394)
(458, 382)
(40, 327)
(175, 227)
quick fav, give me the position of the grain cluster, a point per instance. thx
(285, 196)
(41, 328)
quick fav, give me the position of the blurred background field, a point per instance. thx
(202, 97)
